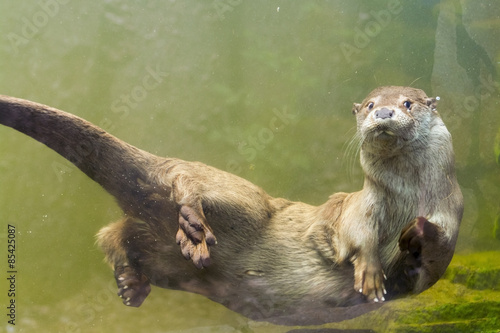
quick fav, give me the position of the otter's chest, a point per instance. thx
(393, 212)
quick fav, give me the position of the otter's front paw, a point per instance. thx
(413, 237)
(195, 236)
(133, 287)
(369, 280)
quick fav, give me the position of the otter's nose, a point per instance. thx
(384, 113)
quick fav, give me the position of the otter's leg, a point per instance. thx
(194, 235)
(428, 250)
(133, 286)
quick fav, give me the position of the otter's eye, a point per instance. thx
(370, 105)
(407, 105)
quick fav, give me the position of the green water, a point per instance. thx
(263, 89)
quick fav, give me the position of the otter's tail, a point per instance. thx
(120, 168)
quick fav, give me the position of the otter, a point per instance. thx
(266, 257)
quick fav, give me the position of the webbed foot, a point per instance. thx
(195, 236)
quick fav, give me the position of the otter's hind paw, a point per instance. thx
(195, 236)
(133, 287)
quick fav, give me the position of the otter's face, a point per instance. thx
(391, 118)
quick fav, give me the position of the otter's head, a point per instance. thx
(392, 118)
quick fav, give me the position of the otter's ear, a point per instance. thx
(355, 108)
(432, 102)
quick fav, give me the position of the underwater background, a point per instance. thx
(203, 80)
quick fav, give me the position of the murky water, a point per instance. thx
(206, 81)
